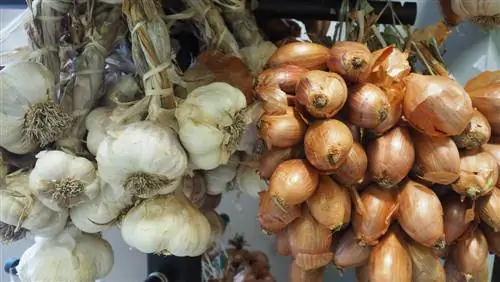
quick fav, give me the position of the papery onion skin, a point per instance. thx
(454, 275)
(351, 60)
(426, 266)
(282, 131)
(293, 182)
(348, 252)
(285, 77)
(388, 68)
(313, 261)
(391, 157)
(273, 218)
(274, 100)
(436, 105)
(381, 206)
(393, 117)
(282, 243)
(458, 216)
(494, 150)
(297, 274)
(420, 214)
(353, 170)
(478, 174)
(476, 134)
(303, 54)
(488, 208)
(367, 105)
(484, 91)
(321, 93)
(469, 254)
(330, 205)
(327, 144)
(271, 159)
(493, 239)
(307, 236)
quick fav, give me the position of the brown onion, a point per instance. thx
(282, 131)
(478, 174)
(391, 157)
(293, 182)
(327, 144)
(351, 60)
(353, 169)
(437, 158)
(282, 243)
(330, 205)
(476, 134)
(306, 236)
(469, 254)
(297, 274)
(367, 105)
(420, 214)
(274, 100)
(313, 261)
(321, 93)
(273, 218)
(381, 206)
(488, 208)
(303, 54)
(355, 130)
(285, 77)
(454, 275)
(484, 91)
(426, 266)
(458, 216)
(436, 105)
(363, 273)
(393, 117)
(493, 239)
(389, 260)
(494, 150)
(271, 159)
(348, 252)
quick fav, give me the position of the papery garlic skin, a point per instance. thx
(96, 124)
(248, 180)
(70, 256)
(60, 180)
(211, 122)
(218, 179)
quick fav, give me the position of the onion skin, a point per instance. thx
(271, 159)
(293, 182)
(330, 205)
(488, 208)
(313, 261)
(389, 260)
(484, 91)
(367, 105)
(458, 216)
(381, 206)
(389, 67)
(303, 54)
(297, 274)
(273, 218)
(436, 105)
(306, 236)
(274, 100)
(351, 60)
(283, 244)
(454, 275)
(282, 131)
(494, 150)
(493, 239)
(469, 254)
(321, 93)
(391, 157)
(327, 144)
(393, 117)
(476, 134)
(420, 214)
(353, 170)
(363, 273)
(348, 252)
(478, 174)
(284, 77)
(426, 266)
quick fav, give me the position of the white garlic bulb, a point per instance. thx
(143, 157)
(60, 180)
(484, 12)
(211, 122)
(248, 180)
(96, 123)
(167, 224)
(217, 180)
(70, 256)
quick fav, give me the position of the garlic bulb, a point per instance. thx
(167, 224)
(70, 256)
(483, 12)
(100, 213)
(28, 110)
(143, 157)
(60, 180)
(96, 123)
(247, 178)
(218, 179)
(211, 122)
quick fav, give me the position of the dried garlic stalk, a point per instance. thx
(242, 21)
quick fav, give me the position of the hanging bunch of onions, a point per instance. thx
(425, 264)
(458, 216)
(348, 252)
(469, 255)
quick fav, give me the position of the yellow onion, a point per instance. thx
(303, 54)
(353, 169)
(478, 174)
(389, 260)
(437, 159)
(393, 117)
(391, 157)
(327, 144)
(297, 274)
(351, 60)
(436, 105)
(367, 105)
(454, 275)
(348, 252)
(469, 254)
(458, 216)
(274, 100)
(363, 273)
(493, 239)
(420, 214)
(494, 150)
(381, 206)
(282, 131)
(312, 261)
(293, 182)
(426, 266)
(282, 243)
(488, 208)
(271, 159)
(484, 91)
(330, 205)
(272, 217)
(322, 94)
(285, 77)
(476, 134)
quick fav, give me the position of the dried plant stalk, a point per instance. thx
(242, 21)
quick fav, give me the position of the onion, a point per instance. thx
(351, 60)
(274, 100)
(381, 206)
(389, 260)
(297, 274)
(348, 252)
(273, 218)
(353, 169)
(330, 205)
(284, 77)
(484, 91)
(421, 214)
(478, 174)
(313, 261)
(282, 131)
(304, 54)
(494, 150)
(293, 182)
(367, 105)
(436, 105)
(321, 93)
(393, 117)
(391, 157)
(469, 254)
(437, 159)
(389, 67)
(355, 130)
(458, 216)
(454, 275)
(363, 273)
(271, 159)
(327, 144)
(493, 239)
(426, 266)
(488, 208)
(282, 243)
(476, 134)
